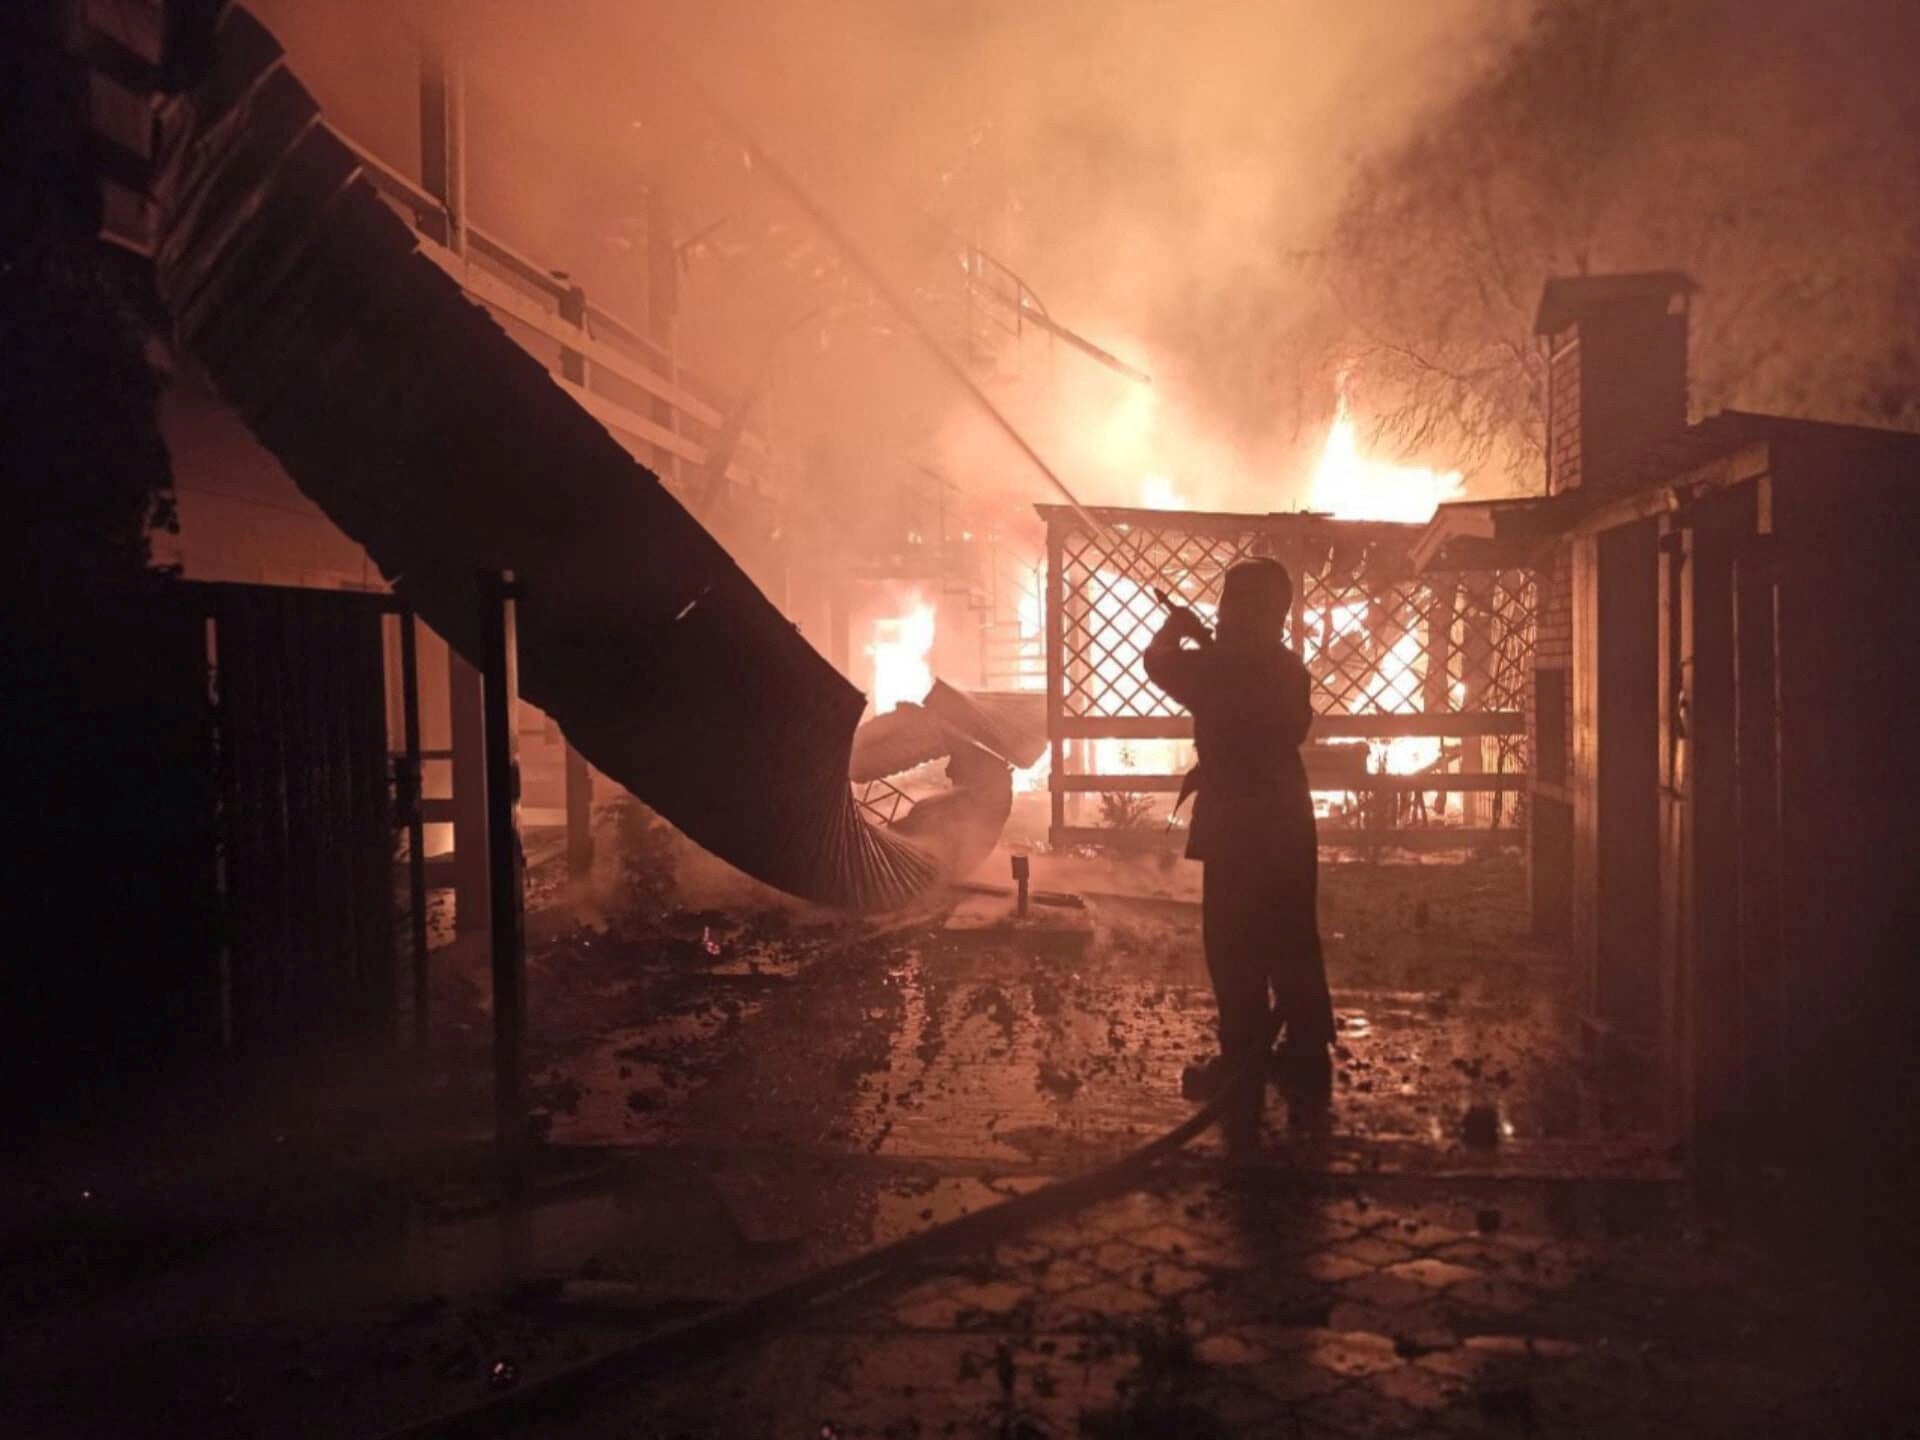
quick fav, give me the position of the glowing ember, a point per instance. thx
(899, 652)
(1352, 486)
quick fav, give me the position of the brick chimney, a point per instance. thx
(1616, 372)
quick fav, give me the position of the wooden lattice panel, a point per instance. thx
(1110, 613)
(1376, 638)
(1389, 652)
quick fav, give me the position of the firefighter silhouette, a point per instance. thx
(1253, 832)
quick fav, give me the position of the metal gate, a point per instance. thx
(1419, 679)
(299, 685)
(203, 776)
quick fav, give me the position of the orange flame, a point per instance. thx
(1350, 485)
(899, 650)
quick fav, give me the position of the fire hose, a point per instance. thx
(568, 1391)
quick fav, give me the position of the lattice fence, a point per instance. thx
(1430, 668)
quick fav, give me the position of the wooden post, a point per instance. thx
(442, 148)
(839, 621)
(1583, 771)
(663, 304)
(579, 780)
(1711, 975)
(573, 310)
(1052, 604)
(1295, 557)
(579, 814)
(415, 804)
(1675, 784)
(1760, 918)
(1436, 694)
(1478, 659)
(498, 646)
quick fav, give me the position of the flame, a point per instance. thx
(1034, 777)
(1158, 492)
(1350, 485)
(1030, 610)
(899, 651)
(1347, 484)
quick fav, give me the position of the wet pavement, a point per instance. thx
(1493, 1239)
(977, 1037)
(1287, 1304)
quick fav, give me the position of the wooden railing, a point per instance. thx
(593, 343)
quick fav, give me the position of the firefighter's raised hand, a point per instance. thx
(1182, 624)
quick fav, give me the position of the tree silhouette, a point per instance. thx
(1766, 146)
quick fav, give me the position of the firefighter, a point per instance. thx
(1253, 834)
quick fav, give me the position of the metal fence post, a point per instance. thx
(466, 726)
(505, 864)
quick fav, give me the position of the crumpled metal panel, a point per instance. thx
(1010, 723)
(434, 440)
(906, 736)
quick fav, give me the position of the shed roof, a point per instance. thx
(1490, 534)
(1477, 534)
(1721, 434)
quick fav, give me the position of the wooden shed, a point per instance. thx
(1723, 798)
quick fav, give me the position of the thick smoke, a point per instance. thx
(1150, 170)
(1234, 197)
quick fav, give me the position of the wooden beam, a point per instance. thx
(1453, 725)
(1433, 837)
(1120, 784)
(1326, 780)
(1284, 525)
(1469, 782)
(1430, 837)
